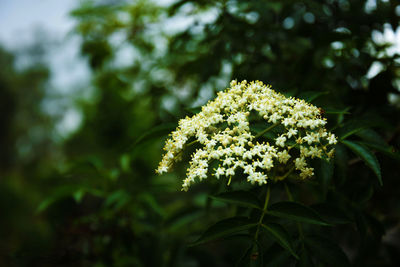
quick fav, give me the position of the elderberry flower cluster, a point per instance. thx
(222, 129)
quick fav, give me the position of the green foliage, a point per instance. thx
(92, 199)
(368, 157)
(295, 211)
(241, 198)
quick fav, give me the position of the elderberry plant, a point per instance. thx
(251, 132)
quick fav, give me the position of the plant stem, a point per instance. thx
(285, 175)
(267, 195)
(266, 130)
(187, 145)
(290, 197)
(299, 227)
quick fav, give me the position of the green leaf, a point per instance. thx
(386, 150)
(309, 96)
(194, 110)
(371, 136)
(324, 172)
(183, 218)
(241, 198)
(246, 257)
(331, 213)
(352, 127)
(337, 111)
(297, 212)
(327, 251)
(367, 156)
(67, 191)
(373, 140)
(341, 161)
(281, 236)
(117, 199)
(152, 203)
(224, 229)
(155, 132)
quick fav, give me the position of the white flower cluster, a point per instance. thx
(222, 128)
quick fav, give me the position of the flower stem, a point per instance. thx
(266, 130)
(285, 175)
(267, 195)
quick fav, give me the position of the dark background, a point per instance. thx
(91, 198)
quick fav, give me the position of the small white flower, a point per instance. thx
(280, 141)
(283, 156)
(291, 132)
(332, 139)
(219, 172)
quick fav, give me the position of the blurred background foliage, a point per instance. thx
(93, 199)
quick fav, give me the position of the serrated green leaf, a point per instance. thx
(241, 198)
(352, 127)
(367, 156)
(386, 150)
(224, 229)
(296, 211)
(371, 136)
(281, 236)
(327, 251)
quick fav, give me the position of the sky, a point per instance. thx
(19, 17)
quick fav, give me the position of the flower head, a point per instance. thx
(223, 129)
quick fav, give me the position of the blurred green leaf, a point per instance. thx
(367, 156)
(155, 132)
(117, 199)
(279, 233)
(241, 198)
(194, 110)
(183, 218)
(385, 149)
(297, 212)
